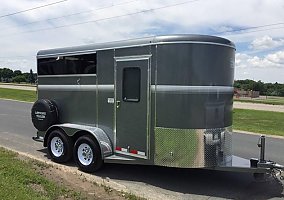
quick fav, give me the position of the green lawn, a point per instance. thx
(265, 122)
(265, 100)
(21, 95)
(20, 180)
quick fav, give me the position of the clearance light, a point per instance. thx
(134, 151)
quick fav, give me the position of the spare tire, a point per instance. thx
(44, 114)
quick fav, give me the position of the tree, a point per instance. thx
(6, 74)
(17, 73)
(31, 78)
(237, 85)
(27, 75)
(269, 89)
(281, 91)
(258, 86)
(19, 79)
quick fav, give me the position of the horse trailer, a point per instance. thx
(164, 100)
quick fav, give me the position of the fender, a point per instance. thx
(75, 129)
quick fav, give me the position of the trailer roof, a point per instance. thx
(186, 38)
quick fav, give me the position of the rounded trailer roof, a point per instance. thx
(186, 38)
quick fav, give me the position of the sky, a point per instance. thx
(255, 26)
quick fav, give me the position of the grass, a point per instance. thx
(20, 95)
(265, 100)
(20, 180)
(265, 122)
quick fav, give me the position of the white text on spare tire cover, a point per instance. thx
(40, 115)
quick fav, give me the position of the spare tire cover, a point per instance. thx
(44, 114)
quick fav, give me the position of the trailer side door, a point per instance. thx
(132, 78)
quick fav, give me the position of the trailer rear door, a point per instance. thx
(132, 105)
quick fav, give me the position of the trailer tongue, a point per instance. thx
(259, 167)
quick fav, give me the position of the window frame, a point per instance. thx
(82, 59)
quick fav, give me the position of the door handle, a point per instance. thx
(117, 104)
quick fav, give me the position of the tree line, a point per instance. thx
(268, 89)
(7, 75)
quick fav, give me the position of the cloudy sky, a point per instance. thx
(255, 26)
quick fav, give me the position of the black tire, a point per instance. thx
(44, 114)
(259, 177)
(57, 154)
(86, 160)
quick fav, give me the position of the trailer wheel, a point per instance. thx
(87, 154)
(59, 146)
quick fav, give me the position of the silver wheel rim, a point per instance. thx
(85, 154)
(57, 146)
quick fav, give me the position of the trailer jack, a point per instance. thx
(261, 163)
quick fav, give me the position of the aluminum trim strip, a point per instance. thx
(148, 150)
(132, 58)
(120, 47)
(173, 89)
(115, 101)
(97, 103)
(106, 87)
(70, 53)
(68, 87)
(196, 42)
(67, 75)
(183, 89)
(76, 87)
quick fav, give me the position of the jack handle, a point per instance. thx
(261, 145)
(268, 164)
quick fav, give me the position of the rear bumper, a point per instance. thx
(242, 165)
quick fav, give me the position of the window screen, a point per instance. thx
(77, 64)
(131, 84)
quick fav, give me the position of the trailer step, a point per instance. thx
(115, 157)
(38, 139)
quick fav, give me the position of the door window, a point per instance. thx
(131, 84)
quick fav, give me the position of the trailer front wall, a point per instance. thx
(194, 99)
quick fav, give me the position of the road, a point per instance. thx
(259, 106)
(16, 131)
